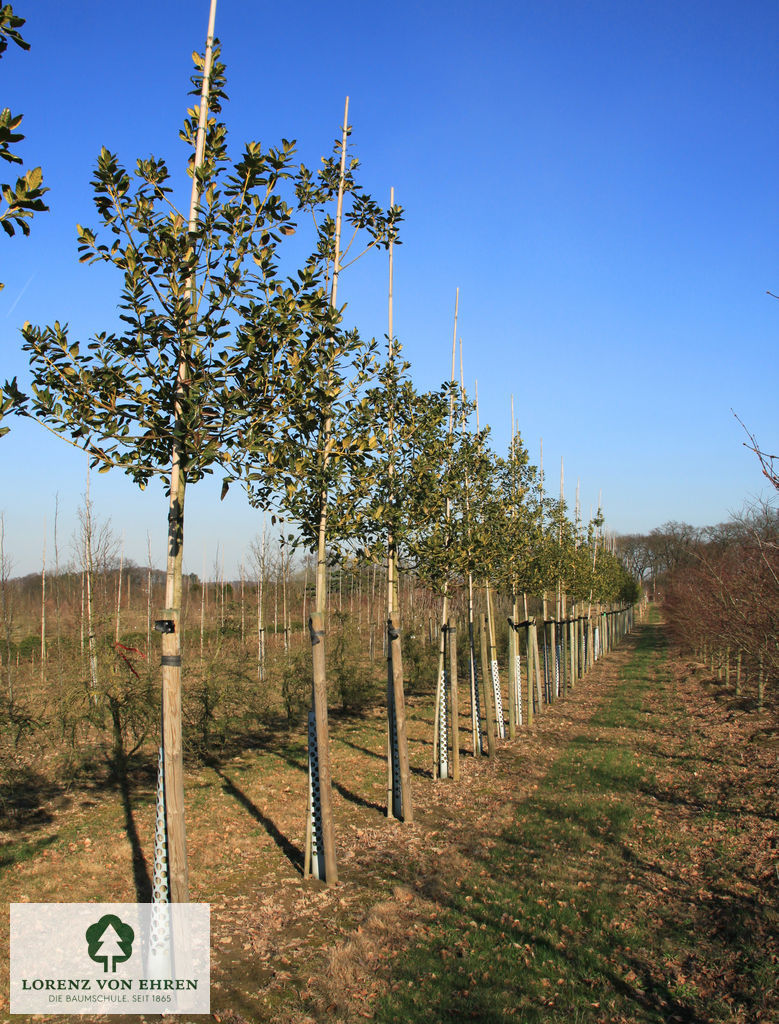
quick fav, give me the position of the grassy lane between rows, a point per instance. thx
(617, 893)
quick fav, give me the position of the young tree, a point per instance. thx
(401, 474)
(321, 437)
(210, 335)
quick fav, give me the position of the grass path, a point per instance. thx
(622, 890)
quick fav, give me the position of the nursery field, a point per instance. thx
(616, 862)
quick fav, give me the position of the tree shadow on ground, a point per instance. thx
(292, 852)
(382, 757)
(302, 765)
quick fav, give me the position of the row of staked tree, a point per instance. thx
(232, 356)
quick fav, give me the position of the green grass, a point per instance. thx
(549, 927)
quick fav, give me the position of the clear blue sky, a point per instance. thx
(598, 178)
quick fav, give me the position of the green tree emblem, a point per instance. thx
(110, 941)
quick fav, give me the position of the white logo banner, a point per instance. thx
(110, 958)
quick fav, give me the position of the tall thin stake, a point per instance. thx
(440, 732)
(398, 771)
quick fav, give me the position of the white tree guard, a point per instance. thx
(557, 669)
(315, 803)
(498, 700)
(158, 953)
(443, 730)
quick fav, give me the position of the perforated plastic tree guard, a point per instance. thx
(158, 953)
(315, 802)
(443, 730)
(498, 700)
(160, 887)
(557, 652)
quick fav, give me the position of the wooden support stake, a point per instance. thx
(452, 636)
(487, 692)
(512, 678)
(536, 660)
(395, 680)
(476, 733)
(530, 673)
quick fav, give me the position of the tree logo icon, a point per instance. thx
(110, 941)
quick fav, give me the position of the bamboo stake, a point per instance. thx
(440, 742)
(472, 666)
(515, 704)
(494, 674)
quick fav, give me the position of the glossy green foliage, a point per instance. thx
(24, 197)
(212, 332)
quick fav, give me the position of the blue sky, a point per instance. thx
(598, 179)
